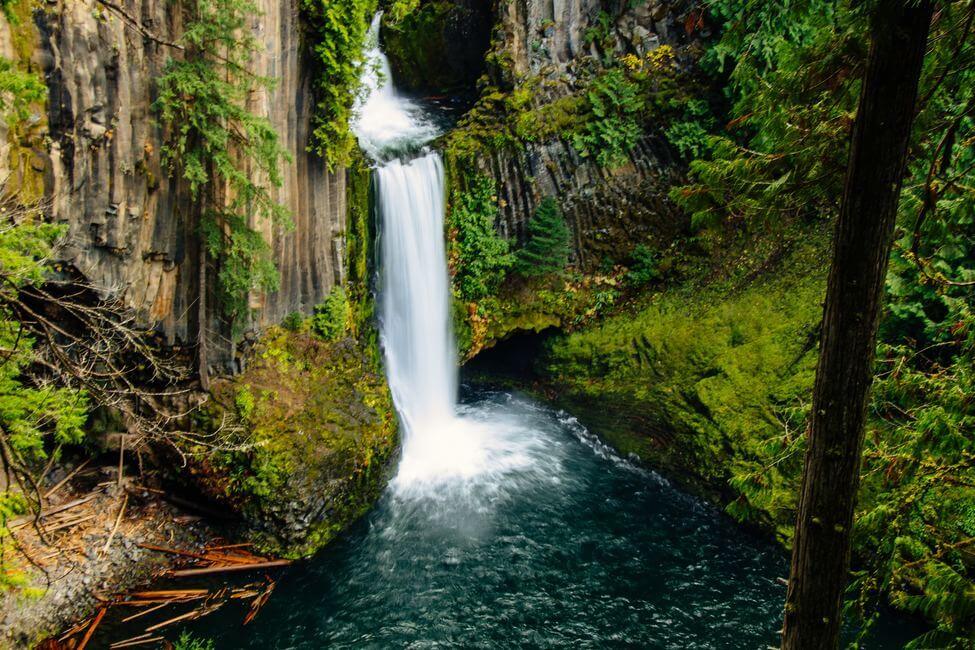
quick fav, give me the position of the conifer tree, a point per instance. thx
(547, 250)
(861, 245)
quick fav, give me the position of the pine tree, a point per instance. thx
(547, 249)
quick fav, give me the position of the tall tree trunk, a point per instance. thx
(861, 247)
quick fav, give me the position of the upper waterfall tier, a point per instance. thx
(387, 124)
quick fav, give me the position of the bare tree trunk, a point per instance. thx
(861, 247)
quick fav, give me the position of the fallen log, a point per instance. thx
(168, 593)
(118, 520)
(68, 524)
(173, 551)
(139, 640)
(155, 608)
(23, 521)
(259, 602)
(188, 616)
(226, 547)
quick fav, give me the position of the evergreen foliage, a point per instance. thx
(645, 266)
(219, 148)
(18, 90)
(792, 72)
(331, 319)
(35, 418)
(338, 31)
(187, 641)
(479, 258)
(546, 251)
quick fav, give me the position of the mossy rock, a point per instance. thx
(697, 379)
(438, 47)
(317, 433)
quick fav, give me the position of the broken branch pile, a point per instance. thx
(202, 601)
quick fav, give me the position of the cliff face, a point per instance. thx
(552, 43)
(131, 227)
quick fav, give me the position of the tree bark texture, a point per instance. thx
(861, 247)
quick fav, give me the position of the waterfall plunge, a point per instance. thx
(439, 447)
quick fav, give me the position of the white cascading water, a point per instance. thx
(421, 360)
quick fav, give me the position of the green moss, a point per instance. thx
(336, 31)
(359, 245)
(698, 379)
(26, 95)
(317, 430)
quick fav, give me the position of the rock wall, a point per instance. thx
(439, 48)
(131, 227)
(602, 207)
(549, 37)
(546, 41)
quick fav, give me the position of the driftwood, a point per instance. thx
(23, 521)
(259, 602)
(142, 639)
(185, 573)
(188, 616)
(156, 608)
(68, 524)
(118, 520)
(228, 558)
(91, 629)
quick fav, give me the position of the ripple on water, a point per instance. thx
(576, 548)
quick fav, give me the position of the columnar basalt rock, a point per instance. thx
(550, 43)
(130, 225)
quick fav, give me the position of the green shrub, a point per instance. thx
(338, 31)
(690, 134)
(187, 641)
(479, 257)
(331, 319)
(293, 322)
(546, 251)
(645, 267)
(18, 90)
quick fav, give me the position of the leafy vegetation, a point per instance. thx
(603, 119)
(414, 41)
(18, 91)
(332, 317)
(338, 31)
(187, 641)
(216, 145)
(546, 250)
(734, 381)
(36, 419)
(645, 267)
(614, 126)
(478, 257)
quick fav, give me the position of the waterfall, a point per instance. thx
(439, 446)
(420, 358)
